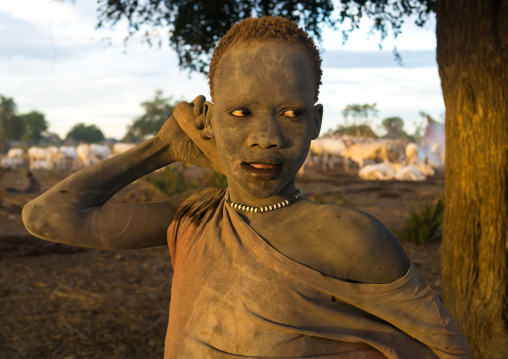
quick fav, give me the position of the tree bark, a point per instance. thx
(472, 45)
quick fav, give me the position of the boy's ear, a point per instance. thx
(318, 119)
(208, 111)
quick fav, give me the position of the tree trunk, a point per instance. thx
(472, 51)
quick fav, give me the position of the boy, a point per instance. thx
(259, 271)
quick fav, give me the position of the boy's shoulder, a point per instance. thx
(344, 221)
(369, 250)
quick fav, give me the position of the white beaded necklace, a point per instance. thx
(269, 208)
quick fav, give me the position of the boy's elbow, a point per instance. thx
(35, 217)
(31, 217)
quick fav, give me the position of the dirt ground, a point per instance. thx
(60, 301)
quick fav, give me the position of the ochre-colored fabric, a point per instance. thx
(235, 296)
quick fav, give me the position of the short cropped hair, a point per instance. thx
(266, 28)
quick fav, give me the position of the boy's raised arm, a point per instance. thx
(75, 210)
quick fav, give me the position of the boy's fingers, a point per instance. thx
(204, 136)
(200, 122)
(198, 104)
(186, 118)
(197, 157)
(184, 114)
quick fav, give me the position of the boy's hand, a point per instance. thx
(184, 140)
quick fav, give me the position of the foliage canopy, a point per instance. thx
(360, 112)
(7, 119)
(34, 124)
(83, 133)
(157, 111)
(193, 27)
(28, 127)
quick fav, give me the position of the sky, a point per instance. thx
(53, 60)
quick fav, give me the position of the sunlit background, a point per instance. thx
(54, 61)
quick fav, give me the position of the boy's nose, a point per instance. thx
(266, 136)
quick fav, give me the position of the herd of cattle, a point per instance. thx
(380, 159)
(62, 158)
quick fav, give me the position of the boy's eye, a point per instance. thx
(292, 113)
(241, 112)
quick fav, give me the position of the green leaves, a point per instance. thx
(193, 27)
(7, 119)
(88, 134)
(157, 111)
(34, 124)
(29, 126)
(422, 225)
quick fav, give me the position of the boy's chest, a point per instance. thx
(311, 246)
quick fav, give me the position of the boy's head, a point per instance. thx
(273, 29)
(264, 79)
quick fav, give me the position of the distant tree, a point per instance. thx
(34, 124)
(130, 137)
(361, 115)
(358, 131)
(7, 120)
(50, 138)
(16, 129)
(360, 112)
(157, 111)
(393, 124)
(89, 134)
(393, 127)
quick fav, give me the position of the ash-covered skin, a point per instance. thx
(261, 124)
(263, 119)
(264, 114)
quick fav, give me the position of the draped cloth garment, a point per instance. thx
(235, 296)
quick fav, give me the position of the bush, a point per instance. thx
(216, 179)
(423, 224)
(170, 181)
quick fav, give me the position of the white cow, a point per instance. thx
(121, 147)
(11, 163)
(53, 157)
(15, 153)
(332, 148)
(425, 168)
(13, 160)
(409, 173)
(359, 152)
(90, 154)
(395, 148)
(378, 171)
(328, 149)
(411, 153)
(84, 155)
(36, 155)
(99, 152)
(39, 165)
(69, 158)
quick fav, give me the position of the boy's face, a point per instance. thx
(264, 117)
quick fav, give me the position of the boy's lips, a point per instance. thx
(262, 171)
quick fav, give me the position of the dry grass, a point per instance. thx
(92, 304)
